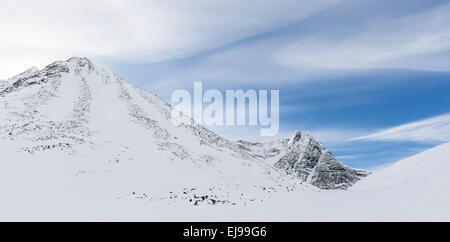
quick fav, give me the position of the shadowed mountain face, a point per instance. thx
(308, 160)
(312, 163)
(74, 109)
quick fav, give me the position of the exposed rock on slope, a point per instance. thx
(3, 84)
(308, 160)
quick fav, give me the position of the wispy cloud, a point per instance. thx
(435, 129)
(409, 42)
(38, 32)
(334, 135)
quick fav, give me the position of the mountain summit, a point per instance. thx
(308, 160)
(77, 119)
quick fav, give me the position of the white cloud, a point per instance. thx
(408, 42)
(436, 129)
(343, 157)
(38, 32)
(334, 135)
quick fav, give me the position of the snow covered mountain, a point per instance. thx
(307, 159)
(71, 105)
(78, 142)
(75, 128)
(427, 171)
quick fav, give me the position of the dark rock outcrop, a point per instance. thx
(329, 173)
(308, 160)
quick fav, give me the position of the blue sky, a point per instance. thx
(345, 69)
(334, 104)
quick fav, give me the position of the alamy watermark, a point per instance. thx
(238, 107)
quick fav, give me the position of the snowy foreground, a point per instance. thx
(79, 143)
(414, 189)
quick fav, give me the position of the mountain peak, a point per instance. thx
(78, 62)
(72, 64)
(31, 69)
(52, 111)
(77, 59)
(309, 161)
(52, 72)
(295, 137)
(302, 138)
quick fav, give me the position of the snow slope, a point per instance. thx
(82, 196)
(414, 189)
(427, 171)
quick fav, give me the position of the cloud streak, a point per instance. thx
(413, 42)
(38, 32)
(435, 129)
